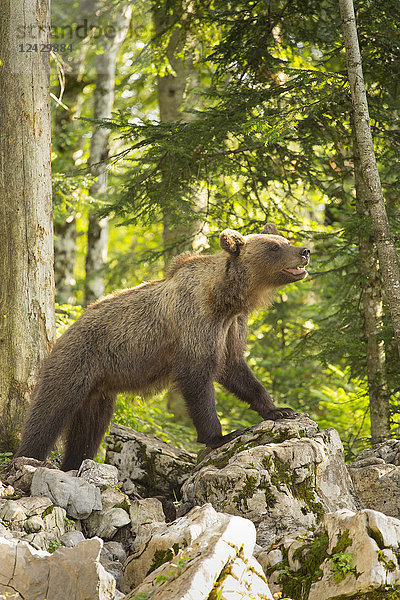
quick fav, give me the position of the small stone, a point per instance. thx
(34, 524)
(114, 551)
(13, 513)
(71, 538)
(74, 494)
(106, 522)
(21, 472)
(376, 477)
(99, 474)
(6, 490)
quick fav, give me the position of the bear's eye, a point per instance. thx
(275, 248)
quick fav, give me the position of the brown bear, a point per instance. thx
(188, 330)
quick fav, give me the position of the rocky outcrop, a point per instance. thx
(284, 476)
(284, 482)
(376, 477)
(146, 515)
(35, 520)
(350, 555)
(64, 502)
(146, 464)
(67, 574)
(200, 554)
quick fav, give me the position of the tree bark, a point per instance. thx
(64, 259)
(96, 256)
(372, 313)
(26, 241)
(374, 198)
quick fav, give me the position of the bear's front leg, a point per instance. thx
(238, 378)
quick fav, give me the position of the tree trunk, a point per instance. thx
(64, 259)
(26, 241)
(65, 122)
(172, 94)
(372, 312)
(374, 198)
(96, 256)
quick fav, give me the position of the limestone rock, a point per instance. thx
(204, 552)
(74, 494)
(353, 555)
(388, 451)
(105, 523)
(6, 490)
(71, 538)
(165, 542)
(99, 474)
(114, 551)
(282, 475)
(374, 539)
(146, 463)
(112, 558)
(34, 519)
(67, 574)
(376, 477)
(21, 472)
(146, 515)
(19, 513)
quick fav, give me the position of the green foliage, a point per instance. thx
(177, 569)
(69, 523)
(53, 545)
(5, 459)
(153, 417)
(297, 584)
(342, 565)
(66, 314)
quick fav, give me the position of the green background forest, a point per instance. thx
(230, 115)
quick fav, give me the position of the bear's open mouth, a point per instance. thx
(296, 271)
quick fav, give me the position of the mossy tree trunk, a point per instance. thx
(373, 316)
(374, 200)
(26, 241)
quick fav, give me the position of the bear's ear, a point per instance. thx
(231, 241)
(270, 228)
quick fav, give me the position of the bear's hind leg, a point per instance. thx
(86, 429)
(52, 404)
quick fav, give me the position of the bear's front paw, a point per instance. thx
(275, 414)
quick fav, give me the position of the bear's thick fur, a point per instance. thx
(188, 329)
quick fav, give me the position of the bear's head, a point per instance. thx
(269, 259)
